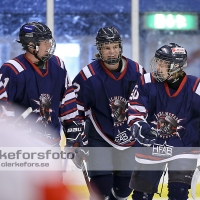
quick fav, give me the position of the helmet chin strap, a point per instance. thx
(36, 49)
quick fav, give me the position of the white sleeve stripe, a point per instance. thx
(68, 97)
(16, 64)
(139, 108)
(69, 116)
(198, 90)
(80, 107)
(87, 72)
(130, 118)
(147, 78)
(88, 113)
(68, 80)
(141, 69)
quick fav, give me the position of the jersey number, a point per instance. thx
(135, 93)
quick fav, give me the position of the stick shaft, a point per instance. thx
(85, 174)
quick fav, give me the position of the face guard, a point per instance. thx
(167, 61)
(50, 49)
(36, 32)
(108, 35)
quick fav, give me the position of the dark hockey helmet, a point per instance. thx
(36, 32)
(108, 35)
(171, 55)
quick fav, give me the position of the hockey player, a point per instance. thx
(39, 80)
(102, 89)
(164, 111)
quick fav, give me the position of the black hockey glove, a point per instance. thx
(144, 133)
(75, 139)
(74, 134)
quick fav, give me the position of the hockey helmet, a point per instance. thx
(108, 35)
(36, 32)
(171, 56)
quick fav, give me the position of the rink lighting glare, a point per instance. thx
(171, 21)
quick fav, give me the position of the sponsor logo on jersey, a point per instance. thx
(118, 108)
(162, 150)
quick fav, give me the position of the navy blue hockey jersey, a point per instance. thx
(48, 91)
(102, 96)
(174, 114)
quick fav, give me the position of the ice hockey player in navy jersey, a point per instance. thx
(102, 89)
(39, 79)
(164, 114)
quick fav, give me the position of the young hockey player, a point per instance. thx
(39, 80)
(164, 113)
(103, 88)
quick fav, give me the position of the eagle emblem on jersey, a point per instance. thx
(44, 108)
(167, 124)
(118, 109)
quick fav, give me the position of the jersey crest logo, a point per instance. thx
(167, 125)
(44, 109)
(118, 109)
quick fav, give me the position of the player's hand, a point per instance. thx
(74, 135)
(144, 133)
(78, 157)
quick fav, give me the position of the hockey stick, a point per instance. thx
(82, 154)
(195, 178)
(24, 115)
(85, 174)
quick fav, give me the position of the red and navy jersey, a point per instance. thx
(102, 96)
(49, 92)
(175, 114)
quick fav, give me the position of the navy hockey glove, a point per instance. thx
(144, 133)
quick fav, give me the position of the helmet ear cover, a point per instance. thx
(105, 36)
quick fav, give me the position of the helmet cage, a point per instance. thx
(108, 35)
(167, 61)
(50, 51)
(110, 61)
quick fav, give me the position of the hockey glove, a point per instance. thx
(75, 139)
(78, 156)
(74, 134)
(144, 133)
